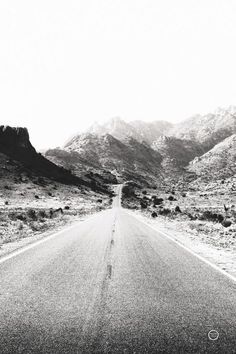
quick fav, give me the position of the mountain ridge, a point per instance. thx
(159, 149)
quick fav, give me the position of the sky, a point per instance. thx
(65, 64)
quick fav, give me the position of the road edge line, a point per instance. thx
(214, 266)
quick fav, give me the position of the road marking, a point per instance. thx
(231, 277)
(44, 239)
(109, 270)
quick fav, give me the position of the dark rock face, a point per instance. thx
(12, 138)
(15, 143)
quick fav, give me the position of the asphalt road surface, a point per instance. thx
(111, 284)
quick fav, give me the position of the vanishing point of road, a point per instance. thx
(111, 284)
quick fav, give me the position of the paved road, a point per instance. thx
(113, 285)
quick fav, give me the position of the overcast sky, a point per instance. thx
(64, 64)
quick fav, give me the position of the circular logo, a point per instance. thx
(213, 334)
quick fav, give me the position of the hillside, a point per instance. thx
(218, 163)
(15, 145)
(80, 166)
(116, 127)
(36, 195)
(150, 131)
(145, 151)
(176, 153)
(128, 159)
(209, 129)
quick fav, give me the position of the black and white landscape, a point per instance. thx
(117, 177)
(153, 269)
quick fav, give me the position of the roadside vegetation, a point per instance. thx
(209, 216)
(34, 207)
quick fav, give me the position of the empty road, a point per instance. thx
(111, 284)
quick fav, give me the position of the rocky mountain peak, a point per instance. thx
(208, 129)
(14, 137)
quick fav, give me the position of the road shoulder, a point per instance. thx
(225, 259)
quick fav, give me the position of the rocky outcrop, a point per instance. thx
(14, 138)
(15, 143)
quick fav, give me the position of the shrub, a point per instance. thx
(220, 217)
(165, 211)
(171, 198)
(128, 191)
(59, 210)
(191, 216)
(6, 202)
(154, 214)
(34, 226)
(67, 207)
(209, 216)
(21, 217)
(177, 209)
(42, 214)
(143, 204)
(31, 214)
(99, 200)
(12, 216)
(36, 197)
(20, 226)
(157, 201)
(226, 223)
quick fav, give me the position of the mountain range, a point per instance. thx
(153, 152)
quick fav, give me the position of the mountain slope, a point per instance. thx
(176, 153)
(138, 130)
(209, 129)
(150, 151)
(150, 131)
(15, 145)
(218, 163)
(128, 158)
(116, 127)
